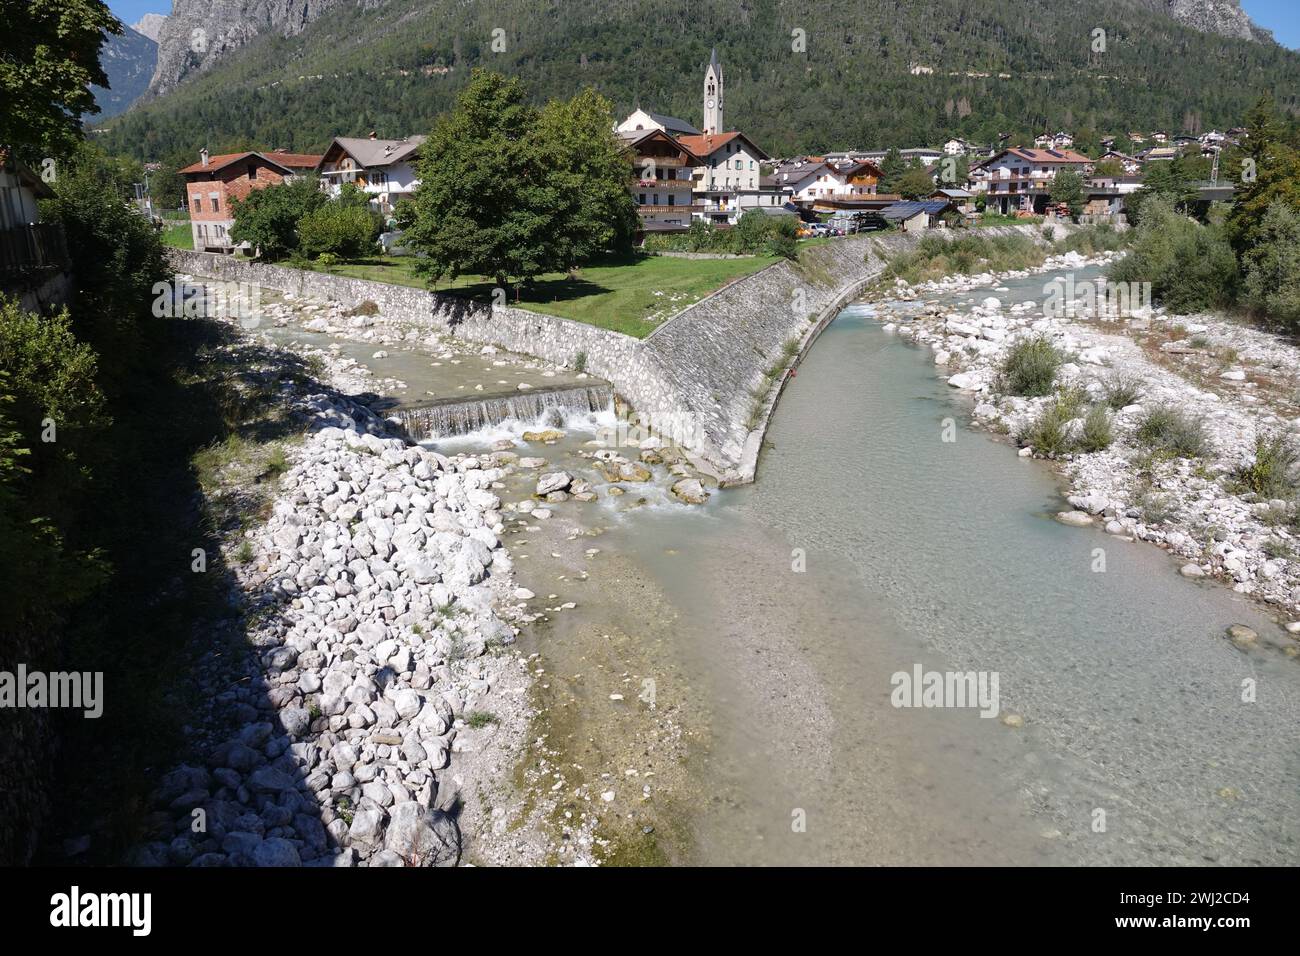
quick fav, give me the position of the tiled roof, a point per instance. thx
(287, 161)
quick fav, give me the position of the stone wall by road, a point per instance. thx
(700, 375)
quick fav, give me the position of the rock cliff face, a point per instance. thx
(200, 32)
(1224, 17)
(128, 61)
(150, 25)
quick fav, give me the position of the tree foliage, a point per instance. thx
(652, 54)
(268, 218)
(49, 58)
(510, 193)
(1271, 267)
(1191, 267)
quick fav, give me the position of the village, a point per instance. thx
(714, 175)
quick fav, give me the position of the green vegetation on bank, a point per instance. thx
(967, 254)
(755, 233)
(1246, 257)
(631, 295)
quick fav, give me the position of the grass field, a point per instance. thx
(631, 296)
(178, 236)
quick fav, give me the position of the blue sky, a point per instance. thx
(1280, 16)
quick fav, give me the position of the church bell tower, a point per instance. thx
(713, 95)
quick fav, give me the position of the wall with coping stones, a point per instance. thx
(704, 365)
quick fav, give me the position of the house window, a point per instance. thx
(252, 172)
(672, 199)
(216, 204)
(198, 204)
(641, 199)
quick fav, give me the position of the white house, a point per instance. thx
(382, 168)
(810, 179)
(1020, 179)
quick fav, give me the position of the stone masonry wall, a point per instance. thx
(705, 366)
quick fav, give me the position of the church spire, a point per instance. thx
(713, 95)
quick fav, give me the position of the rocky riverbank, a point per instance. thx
(1237, 382)
(371, 707)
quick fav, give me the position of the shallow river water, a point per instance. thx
(1134, 745)
(869, 547)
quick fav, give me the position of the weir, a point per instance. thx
(441, 418)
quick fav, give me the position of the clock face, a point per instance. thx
(710, 104)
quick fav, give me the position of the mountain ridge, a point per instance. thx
(867, 76)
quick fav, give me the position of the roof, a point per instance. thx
(635, 139)
(906, 210)
(376, 152)
(954, 193)
(672, 123)
(27, 176)
(286, 161)
(705, 144)
(1044, 156)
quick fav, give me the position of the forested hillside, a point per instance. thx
(999, 66)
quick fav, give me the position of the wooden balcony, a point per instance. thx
(647, 185)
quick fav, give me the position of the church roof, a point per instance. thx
(672, 124)
(713, 59)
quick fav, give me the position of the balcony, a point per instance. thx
(25, 249)
(666, 162)
(694, 207)
(651, 184)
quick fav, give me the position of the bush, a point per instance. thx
(1049, 433)
(1030, 368)
(1191, 267)
(1091, 240)
(1096, 434)
(1156, 508)
(935, 257)
(268, 218)
(1270, 475)
(339, 229)
(1121, 390)
(118, 253)
(1166, 430)
(1271, 288)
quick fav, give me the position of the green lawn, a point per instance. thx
(631, 296)
(178, 236)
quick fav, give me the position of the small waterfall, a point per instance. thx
(441, 418)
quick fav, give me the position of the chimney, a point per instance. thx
(203, 156)
(372, 134)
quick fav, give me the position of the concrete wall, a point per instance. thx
(703, 368)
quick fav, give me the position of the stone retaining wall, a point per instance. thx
(701, 374)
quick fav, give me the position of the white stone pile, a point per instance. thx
(371, 592)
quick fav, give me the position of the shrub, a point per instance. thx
(1156, 508)
(1049, 433)
(268, 218)
(338, 229)
(1167, 431)
(1030, 368)
(1191, 267)
(1096, 434)
(1270, 475)
(1121, 390)
(1090, 240)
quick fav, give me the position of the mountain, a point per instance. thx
(200, 33)
(1224, 17)
(295, 73)
(150, 25)
(128, 62)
